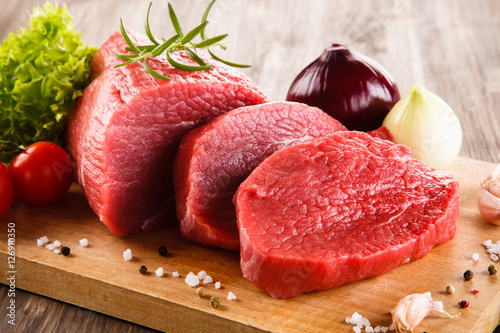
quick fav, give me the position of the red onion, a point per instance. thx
(349, 86)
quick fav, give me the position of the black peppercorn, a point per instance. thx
(143, 269)
(492, 269)
(162, 250)
(468, 275)
(65, 250)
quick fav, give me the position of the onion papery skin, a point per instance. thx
(351, 87)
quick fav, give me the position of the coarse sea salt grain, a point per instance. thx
(217, 285)
(56, 251)
(493, 249)
(159, 271)
(359, 322)
(127, 254)
(84, 242)
(50, 247)
(44, 240)
(231, 296)
(475, 256)
(192, 279)
(202, 275)
(56, 243)
(208, 279)
(355, 318)
(175, 274)
(39, 242)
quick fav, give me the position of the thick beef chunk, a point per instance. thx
(125, 130)
(342, 208)
(214, 159)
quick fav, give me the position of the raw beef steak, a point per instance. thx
(215, 158)
(124, 132)
(342, 208)
(381, 133)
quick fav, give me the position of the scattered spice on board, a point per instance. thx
(162, 250)
(65, 251)
(493, 249)
(360, 322)
(127, 254)
(215, 302)
(464, 304)
(468, 275)
(192, 280)
(159, 272)
(474, 292)
(450, 289)
(84, 242)
(492, 269)
(200, 292)
(143, 269)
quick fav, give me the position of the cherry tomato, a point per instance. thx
(42, 174)
(6, 190)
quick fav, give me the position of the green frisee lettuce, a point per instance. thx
(43, 70)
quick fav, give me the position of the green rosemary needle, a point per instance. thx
(174, 44)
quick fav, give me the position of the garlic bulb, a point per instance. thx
(489, 197)
(428, 125)
(410, 311)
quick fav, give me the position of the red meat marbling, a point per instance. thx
(124, 132)
(342, 208)
(215, 158)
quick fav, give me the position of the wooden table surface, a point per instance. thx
(452, 47)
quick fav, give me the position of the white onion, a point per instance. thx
(428, 125)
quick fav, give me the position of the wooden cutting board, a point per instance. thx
(97, 277)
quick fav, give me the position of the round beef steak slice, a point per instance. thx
(215, 158)
(340, 209)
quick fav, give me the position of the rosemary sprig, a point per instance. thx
(174, 44)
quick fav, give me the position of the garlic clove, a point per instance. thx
(424, 122)
(412, 309)
(489, 197)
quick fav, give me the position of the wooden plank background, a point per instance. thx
(451, 46)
